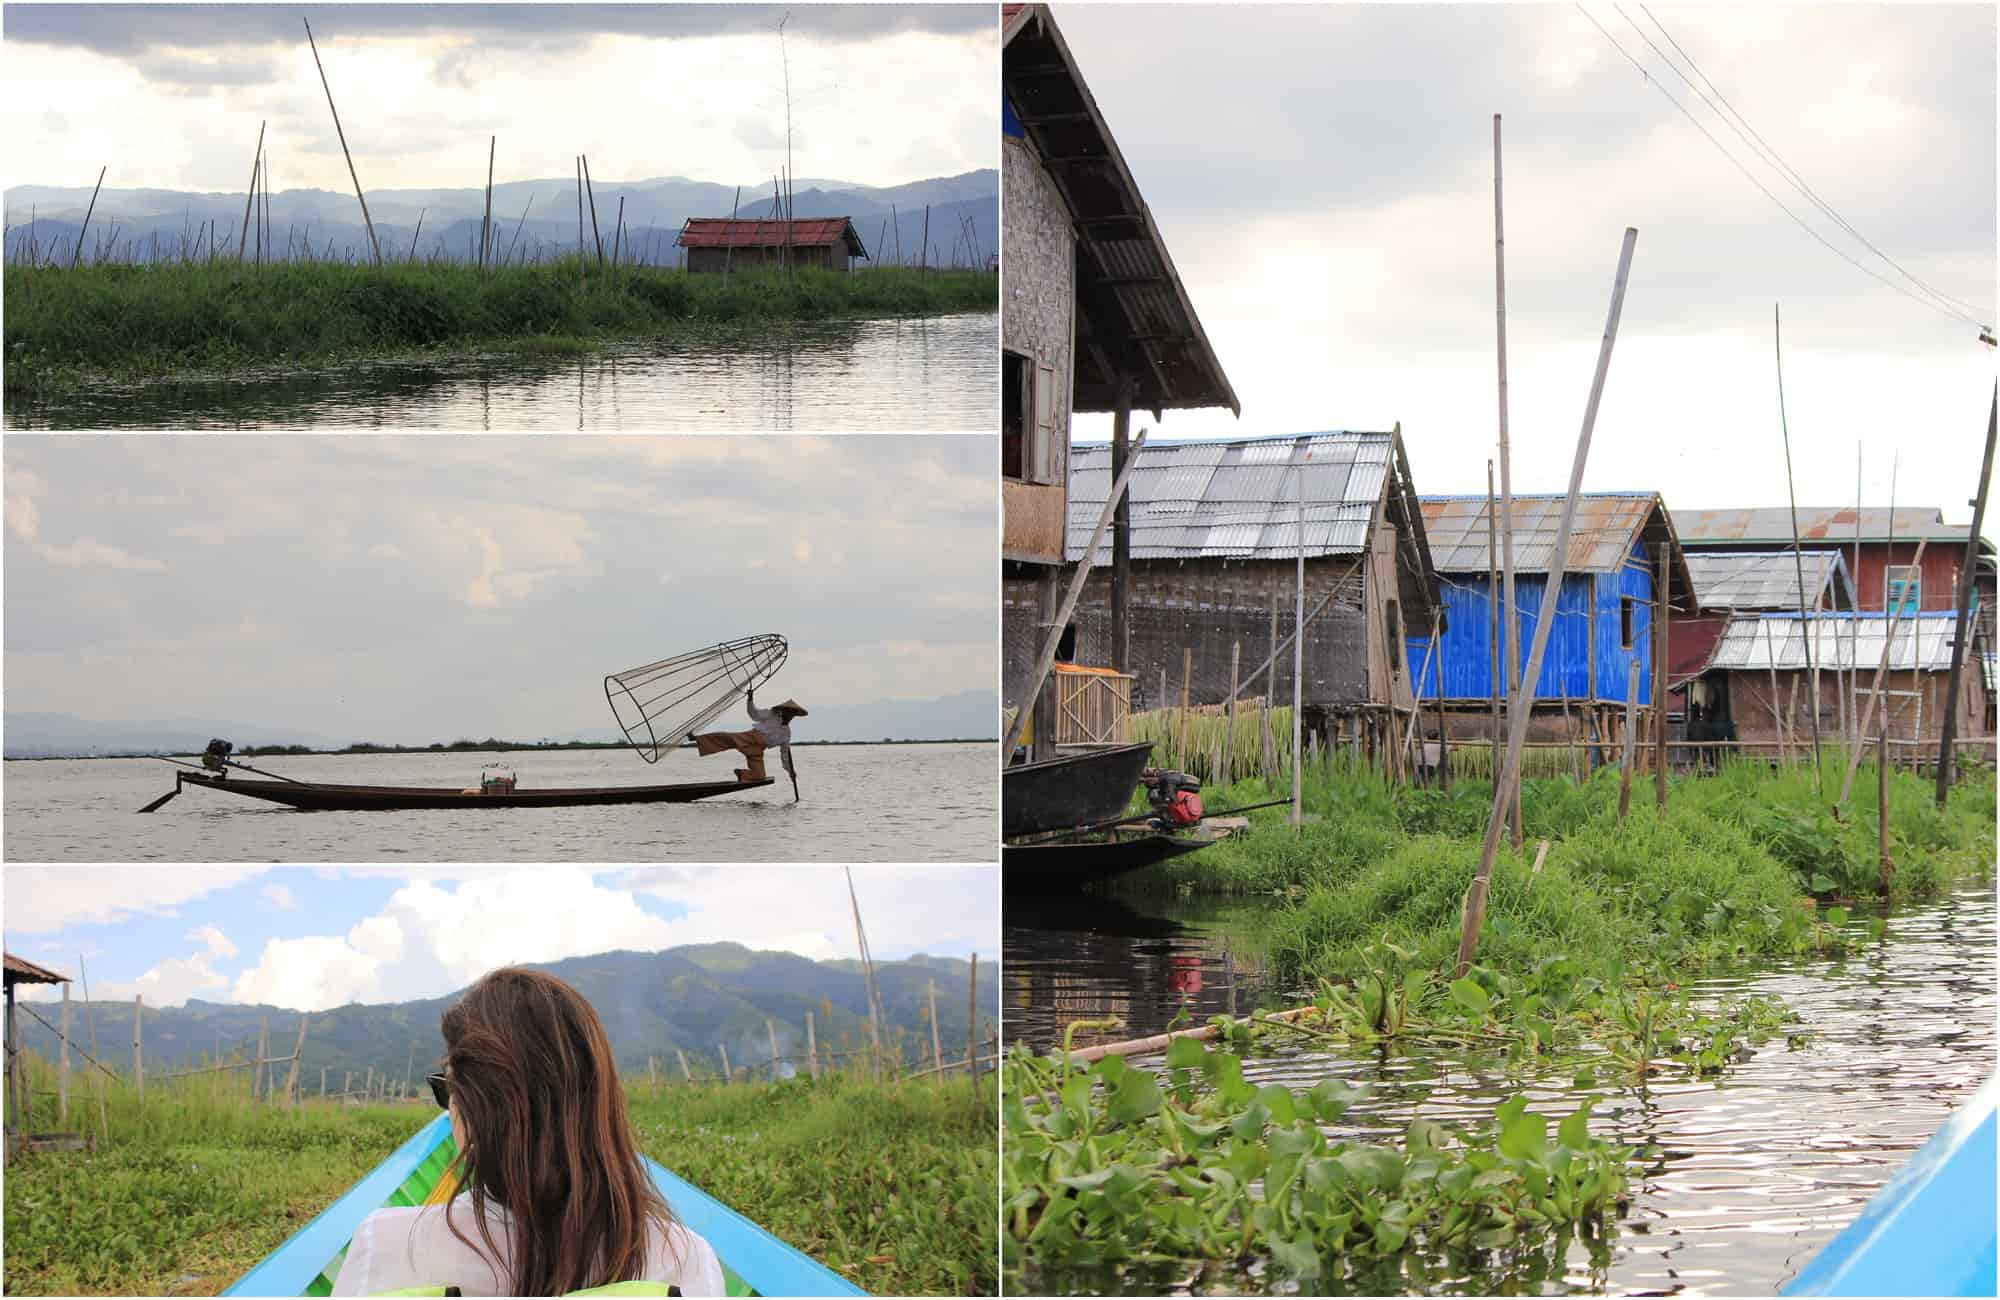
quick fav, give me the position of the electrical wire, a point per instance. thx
(1748, 175)
(1777, 163)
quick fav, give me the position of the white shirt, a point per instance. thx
(772, 730)
(410, 1246)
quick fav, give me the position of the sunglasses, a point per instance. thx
(440, 1089)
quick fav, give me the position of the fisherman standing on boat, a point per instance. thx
(773, 728)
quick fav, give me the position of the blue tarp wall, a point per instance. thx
(1465, 656)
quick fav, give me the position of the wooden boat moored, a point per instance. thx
(1059, 794)
(1065, 863)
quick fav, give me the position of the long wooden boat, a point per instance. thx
(314, 796)
(1930, 1230)
(754, 1263)
(1065, 863)
(1074, 790)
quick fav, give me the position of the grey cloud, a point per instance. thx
(123, 30)
(205, 73)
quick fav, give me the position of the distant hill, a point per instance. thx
(965, 715)
(696, 998)
(540, 214)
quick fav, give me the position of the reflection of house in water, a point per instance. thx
(1095, 319)
(1604, 617)
(1216, 539)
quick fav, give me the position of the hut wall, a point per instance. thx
(1020, 629)
(1205, 606)
(1691, 640)
(720, 259)
(1039, 251)
(1750, 705)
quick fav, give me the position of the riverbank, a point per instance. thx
(114, 323)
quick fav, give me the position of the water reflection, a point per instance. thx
(1745, 1176)
(883, 375)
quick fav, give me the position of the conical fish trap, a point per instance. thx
(658, 704)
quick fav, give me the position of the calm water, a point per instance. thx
(939, 373)
(860, 803)
(1749, 1175)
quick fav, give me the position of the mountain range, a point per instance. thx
(699, 999)
(532, 219)
(964, 715)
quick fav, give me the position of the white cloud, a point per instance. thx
(43, 900)
(87, 554)
(280, 898)
(169, 983)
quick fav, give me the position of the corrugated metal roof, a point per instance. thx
(804, 232)
(1239, 499)
(1768, 579)
(1816, 523)
(1842, 641)
(21, 971)
(1601, 537)
(1134, 319)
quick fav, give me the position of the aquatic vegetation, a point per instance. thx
(1110, 1167)
(124, 321)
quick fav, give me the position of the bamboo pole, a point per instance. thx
(1298, 657)
(971, 1025)
(322, 1082)
(292, 1096)
(579, 220)
(771, 1028)
(1962, 628)
(937, 1046)
(1270, 694)
(686, 1074)
(1159, 1042)
(1511, 621)
(250, 194)
(1049, 644)
(728, 1075)
(1229, 734)
(812, 1048)
(591, 190)
(1508, 780)
(1662, 577)
(1875, 688)
(352, 174)
(78, 254)
(138, 1052)
(1883, 865)
(62, 1062)
(486, 223)
(1631, 734)
(1798, 554)
(1493, 605)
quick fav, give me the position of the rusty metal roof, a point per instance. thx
(1237, 499)
(1840, 641)
(1133, 315)
(803, 232)
(1755, 580)
(22, 971)
(1816, 523)
(1606, 527)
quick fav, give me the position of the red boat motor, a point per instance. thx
(1176, 799)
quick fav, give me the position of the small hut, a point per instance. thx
(729, 243)
(20, 971)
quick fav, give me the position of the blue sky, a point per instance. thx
(317, 937)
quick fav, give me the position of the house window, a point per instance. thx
(1906, 588)
(1042, 463)
(1016, 379)
(1628, 607)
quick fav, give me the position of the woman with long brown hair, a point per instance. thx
(559, 1200)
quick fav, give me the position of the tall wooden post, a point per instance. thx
(937, 1045)
(812, 1048)
(1631, 736)
(292, 1075)
(1493, 606)
(1270, 694)
(687, 1075)
(972, 1025)
(62, 1062)
(138, 1054)
(1121, 533)
(375, 247)
(771, 1028)
(1510, 622)
(728, 1075)
(1962, 629)
(1660, 577)
(1298, 660)
(322, 1083)
(259, 1091)
(1883, 864)
(1229, 736)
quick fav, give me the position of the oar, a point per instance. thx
(163, 798)
(795, 785)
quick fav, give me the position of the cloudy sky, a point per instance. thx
(170, 96)
(416, 589)
(1323, 176)
(309, 938)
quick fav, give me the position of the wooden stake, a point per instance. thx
(486, 224)
(971, 1025)
(591, 190)
(937, 1046)
(62, 1062)
(812, 1048)
(579, 220)
(1508, 784)
(1298, 657)
(1493, 606)
(686, 1074)
(298, 1051)
(1883, 865)
(1229, 736)
(1631, 736)
(653, 1076)
(1511, 621)
(1875, 688)
(138, 1054)
(1962, 629)
(250, 194)
(372, 244)
(771, 1028)
(322, 1082)
(86, 217)
(728, 1075)
(1660, 581)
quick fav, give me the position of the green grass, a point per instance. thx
(894, 1188)
(118, 322)
(890, 1186)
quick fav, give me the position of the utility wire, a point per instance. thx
(1777, 163)
(1796, 219)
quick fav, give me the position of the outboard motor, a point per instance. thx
(215, 758)
(1176, 799)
